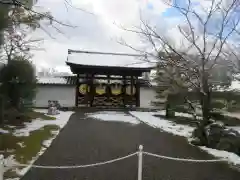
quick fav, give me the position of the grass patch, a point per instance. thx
(17, 119)
(180, 120)
(32, 145)
(35, 115)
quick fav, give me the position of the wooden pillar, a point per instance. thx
(108, 88)
(131, 90)
(137, 92)
(91, 98)
(1, 110)
(87, 92)
(124, 90)
(77, 91)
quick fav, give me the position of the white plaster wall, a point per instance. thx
(147, 95)
(64, 94)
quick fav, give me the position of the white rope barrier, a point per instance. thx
(140, 153)
(182, 159)
(75, 166)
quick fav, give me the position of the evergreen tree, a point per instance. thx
(18, 82)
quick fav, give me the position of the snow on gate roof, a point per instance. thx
(93, 58)
(103, 63)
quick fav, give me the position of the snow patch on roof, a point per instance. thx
(108, 60)
(51, 80)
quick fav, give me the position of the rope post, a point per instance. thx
(1, 166)
(140, 162)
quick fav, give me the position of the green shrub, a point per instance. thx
(217, 116)
(18, 82)
(218, 104)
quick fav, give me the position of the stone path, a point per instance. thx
(85, 140)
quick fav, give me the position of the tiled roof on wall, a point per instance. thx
(70, 80)
(55, 80)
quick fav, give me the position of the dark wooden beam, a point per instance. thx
(124, 91)
(108, 88)
(137, 93)
(106, 78)
(92, 91)
(105, 70)
(132, 91)
(77, 91)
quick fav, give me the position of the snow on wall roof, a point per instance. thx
(51, 80)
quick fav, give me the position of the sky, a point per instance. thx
(98, 26)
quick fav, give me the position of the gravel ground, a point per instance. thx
(85, 140)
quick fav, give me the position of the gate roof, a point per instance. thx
(82, 62)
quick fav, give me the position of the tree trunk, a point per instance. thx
(167, 107)
(205, 102)
(205, 99)
(1, 109)
(169, 111)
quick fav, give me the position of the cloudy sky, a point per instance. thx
(98, 28)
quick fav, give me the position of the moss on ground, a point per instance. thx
(30, 145)
(180, 120)
(33, 143)
(35, 115)
(24, 148)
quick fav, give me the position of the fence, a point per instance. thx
(4, 165)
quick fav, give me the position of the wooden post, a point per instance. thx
(1, 166)
(92, 90)
(108, 90)
(77, 91)
(87, 95)
(1, 109)
(140, 162)
(132, 91)
(124, 90)
(137, 92)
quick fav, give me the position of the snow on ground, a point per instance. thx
(184, 130)
(232, 114)
(165, 125)
(61, 121)
(230, 157)
(187, 115)
(48, 142)
(236, 128)
(113, 116)
(3, 131)
(21, 144)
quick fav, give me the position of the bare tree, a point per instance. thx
(21, 19)
(17, 44)
(208, 40)
(24, 12)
